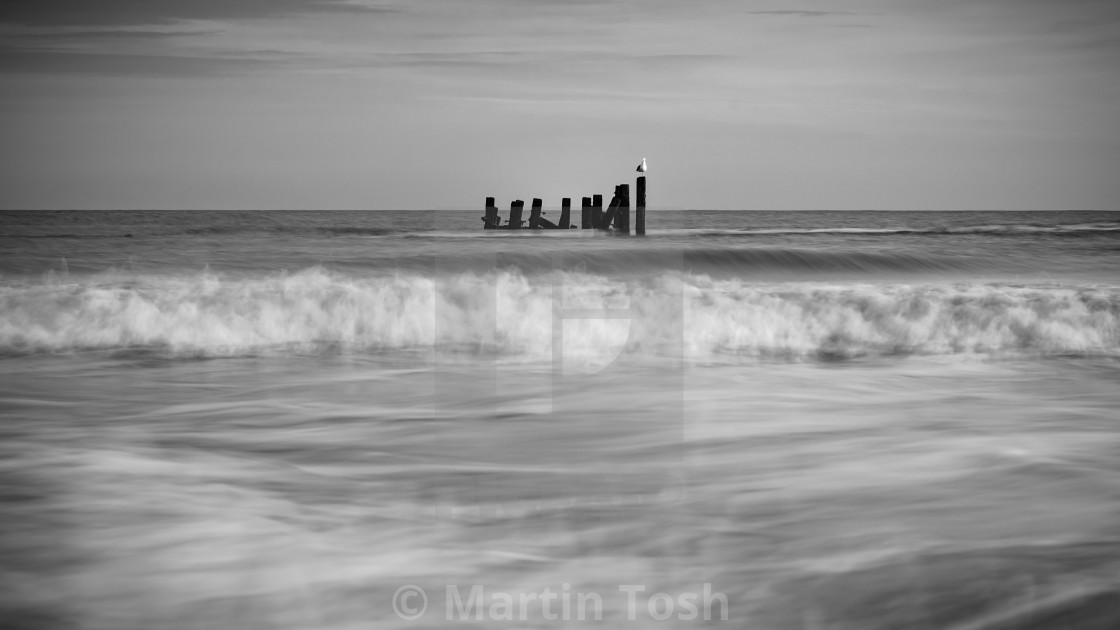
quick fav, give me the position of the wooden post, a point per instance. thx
(491, 220)
(640, 207)
(585, 214)
(609, 216)
(565, 213)
(535, 215)
(515, 209)
(622, 213)
(596, 211)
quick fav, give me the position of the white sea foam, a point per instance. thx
(511, 314)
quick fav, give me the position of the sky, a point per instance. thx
(416, 104)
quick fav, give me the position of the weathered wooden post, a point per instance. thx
(543, 223)
(609, 216)
(535, 215)
(622, 214)
(515, 209)
(491, 220)
(592, 216)
(640, 207)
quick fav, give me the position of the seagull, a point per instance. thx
(642, 167)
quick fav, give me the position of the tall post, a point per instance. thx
(585, 214)
(640, 207)
(491, 220)
(596, 210)
(565, 213)
(535, 215)
(515, 209)
(622, 215)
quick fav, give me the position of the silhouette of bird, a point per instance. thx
(642, 167)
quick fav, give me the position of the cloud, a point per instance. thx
(155, 37)
(799, 13)
(103, 34)
(108, 64)
(536, 61)
(137, 12)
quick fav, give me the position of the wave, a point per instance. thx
(644, 257)
(67, 235)
(510, 314)
(357, 231)
(427, 228)
(773, 259)
(219, 230)
(1078, 229)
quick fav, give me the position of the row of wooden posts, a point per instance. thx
(616, 217)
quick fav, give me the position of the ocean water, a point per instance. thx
(789, 419)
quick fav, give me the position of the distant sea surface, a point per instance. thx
(834, 419)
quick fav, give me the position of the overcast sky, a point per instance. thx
(754, 104)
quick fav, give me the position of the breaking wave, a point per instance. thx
(1074, 229)
(509, 313)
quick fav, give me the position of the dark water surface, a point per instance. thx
(835, 419)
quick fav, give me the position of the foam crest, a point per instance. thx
(210, 315)
(731, 318)
(511, 314)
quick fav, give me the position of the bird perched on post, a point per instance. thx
(642, 166)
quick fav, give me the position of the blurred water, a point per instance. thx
(262, 420)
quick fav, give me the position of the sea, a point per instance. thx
(397, 419)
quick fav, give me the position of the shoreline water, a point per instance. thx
(252, 422)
